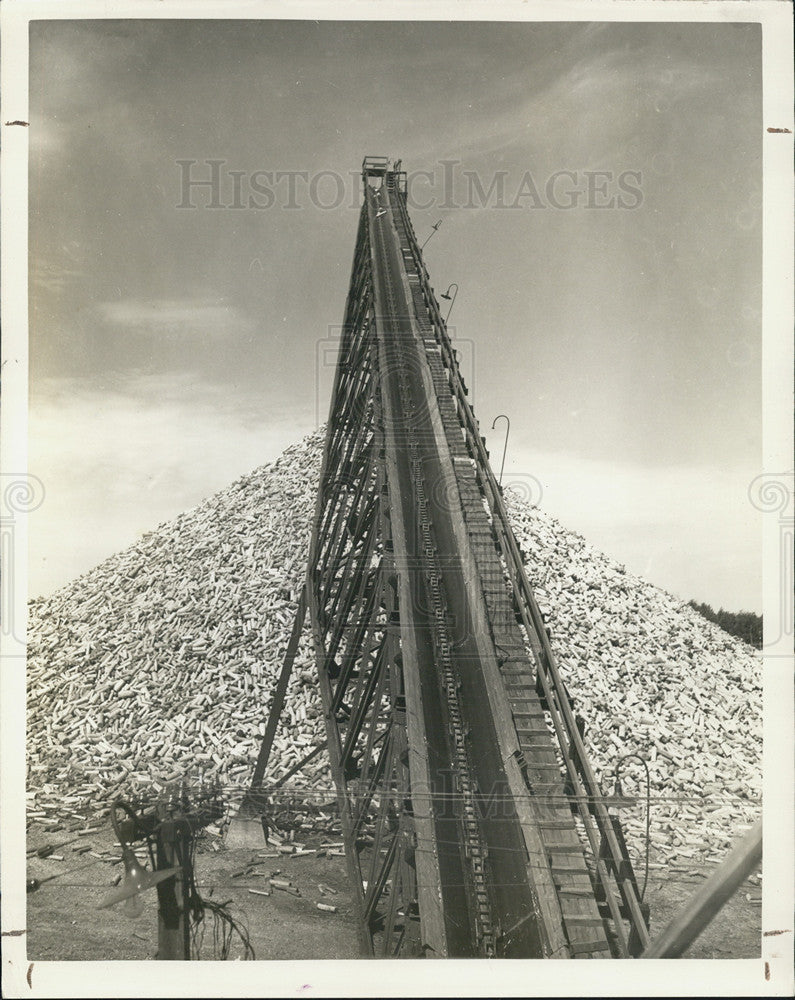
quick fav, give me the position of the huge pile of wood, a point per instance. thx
(160, 663)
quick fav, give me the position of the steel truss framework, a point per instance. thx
(473, 822)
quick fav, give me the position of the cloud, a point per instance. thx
(186, 317)
(589, 110)
(689, 529)
(119, 460)
(116, 461)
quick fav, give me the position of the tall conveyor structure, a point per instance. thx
(473, 823)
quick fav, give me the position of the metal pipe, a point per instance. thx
(507, 432)
(446, 295)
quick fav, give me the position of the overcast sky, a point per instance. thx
(173, 349)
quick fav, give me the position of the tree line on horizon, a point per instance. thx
(744, 624)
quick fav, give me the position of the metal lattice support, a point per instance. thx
(450, 734)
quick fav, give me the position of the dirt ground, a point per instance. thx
(63, 922)
(280, 925)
